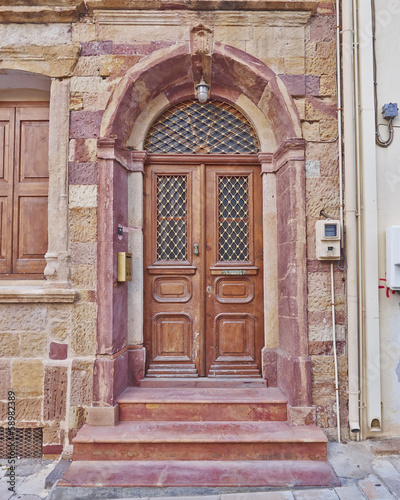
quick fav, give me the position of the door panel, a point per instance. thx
(234, 291)
(172, 289)
(203, 270)
(234, 271)
(172, 281)
(172, 337)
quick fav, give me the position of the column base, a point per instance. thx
(269, 358)
(294, 378)
(103, 415)
(136, 365)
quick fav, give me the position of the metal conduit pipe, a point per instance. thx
(340, 147)
(369, 228)
(358, 203)
(350, 212)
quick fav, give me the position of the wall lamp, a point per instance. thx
(202, 90)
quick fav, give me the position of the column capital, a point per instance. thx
(290, 150)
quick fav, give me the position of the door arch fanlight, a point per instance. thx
(191, 127)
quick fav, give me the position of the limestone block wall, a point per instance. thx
(42, 361)
(47, 350)
(319, 121)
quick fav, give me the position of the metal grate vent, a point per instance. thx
(192, 127)
(28, 442)
(233, 218)
(171, 217)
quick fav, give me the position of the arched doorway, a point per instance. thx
(153, 85)
(203, 255)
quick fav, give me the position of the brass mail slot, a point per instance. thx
(124, 266)
(234, 272)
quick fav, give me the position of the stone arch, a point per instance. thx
(155, 83)
(236, 76)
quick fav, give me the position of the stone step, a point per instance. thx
(200, 441)
(249, 370)
(202, 403)
(231, 383)
(125, 474)
(172, 370)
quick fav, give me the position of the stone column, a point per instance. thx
(136, 352)
(293, 362)
(111, 364)
(271, 331)
(57, 256)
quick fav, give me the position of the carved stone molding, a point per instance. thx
(266, 160)
(34, 292)
(201, 48)
(57, 270)
(138, 160)
(289, 150)
(41, 14)
(205, 5)
(201, 41)
(57, 61)
(112, 148)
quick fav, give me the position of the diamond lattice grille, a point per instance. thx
(191, 127)
(233, 218)
(171, 217)
(28, 442)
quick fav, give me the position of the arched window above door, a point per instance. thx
(191, 127)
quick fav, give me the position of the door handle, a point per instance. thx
(196, 248)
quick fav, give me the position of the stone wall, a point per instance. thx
(47, 349)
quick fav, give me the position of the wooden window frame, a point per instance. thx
(12, 218)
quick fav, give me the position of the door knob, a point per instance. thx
(196, 248)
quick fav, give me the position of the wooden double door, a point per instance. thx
(203, 279)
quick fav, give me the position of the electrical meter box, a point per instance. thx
(393, 257)
(124, 266)
(327, 234)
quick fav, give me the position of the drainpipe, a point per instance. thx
(369, 226)
(350, 211)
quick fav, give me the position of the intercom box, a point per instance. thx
(124, 266)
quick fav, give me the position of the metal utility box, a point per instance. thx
(327, 234)
(393, 257)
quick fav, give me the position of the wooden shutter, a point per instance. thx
(7, 126)
(31, 186)
(24, 183)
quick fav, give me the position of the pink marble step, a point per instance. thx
(200, 441)
(199, 473)
(202, 403)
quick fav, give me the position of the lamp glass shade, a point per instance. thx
(202, 91)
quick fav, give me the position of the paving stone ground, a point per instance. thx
(367, 470)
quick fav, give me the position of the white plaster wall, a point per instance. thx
(388, 164)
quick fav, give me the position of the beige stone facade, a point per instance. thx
(89, 52)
